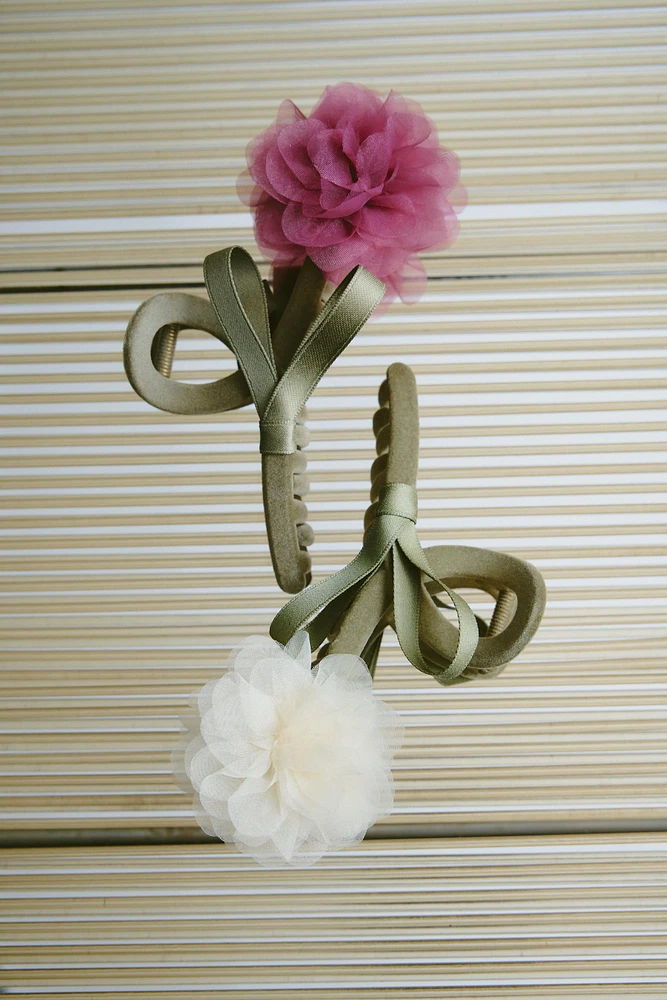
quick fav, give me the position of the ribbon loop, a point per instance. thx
(238, 296)
(392, 533)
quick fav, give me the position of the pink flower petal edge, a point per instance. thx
(360, 180)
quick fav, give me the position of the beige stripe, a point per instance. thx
(547, 916)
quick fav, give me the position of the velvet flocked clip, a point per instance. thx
(278, 370)
(393, 581)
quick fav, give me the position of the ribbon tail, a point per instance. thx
(371, 651)
(316, 608)
(410, 562)
(407, 580)
(322, 624)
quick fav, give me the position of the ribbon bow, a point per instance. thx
(238, 296)
(393, 532)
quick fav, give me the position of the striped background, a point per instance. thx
(132, 547)
(483, 919)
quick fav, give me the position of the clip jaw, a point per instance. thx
(164, 315)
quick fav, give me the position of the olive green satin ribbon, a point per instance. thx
(238, 296)
(394, 531)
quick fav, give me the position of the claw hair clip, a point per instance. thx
(394, 582)
(278, 371)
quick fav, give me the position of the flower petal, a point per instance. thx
(270, 235)
(200, 762)
(325, 149)
(341, 257)
(306, 232)
(283, 181)
(254, 808)
(252, 763)
(258, 707)
(215, 792)
(299, 649)
(390, 218)
(349, 669)
(349, 104)
(374, 158)
(351, 202)
(293, 145)
(288, 836)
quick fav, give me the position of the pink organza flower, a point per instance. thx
(359, 181)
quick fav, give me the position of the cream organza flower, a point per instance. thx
(285, 761)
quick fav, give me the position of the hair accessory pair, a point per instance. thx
(286, 758)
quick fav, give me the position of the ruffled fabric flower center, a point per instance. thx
(300, 745)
